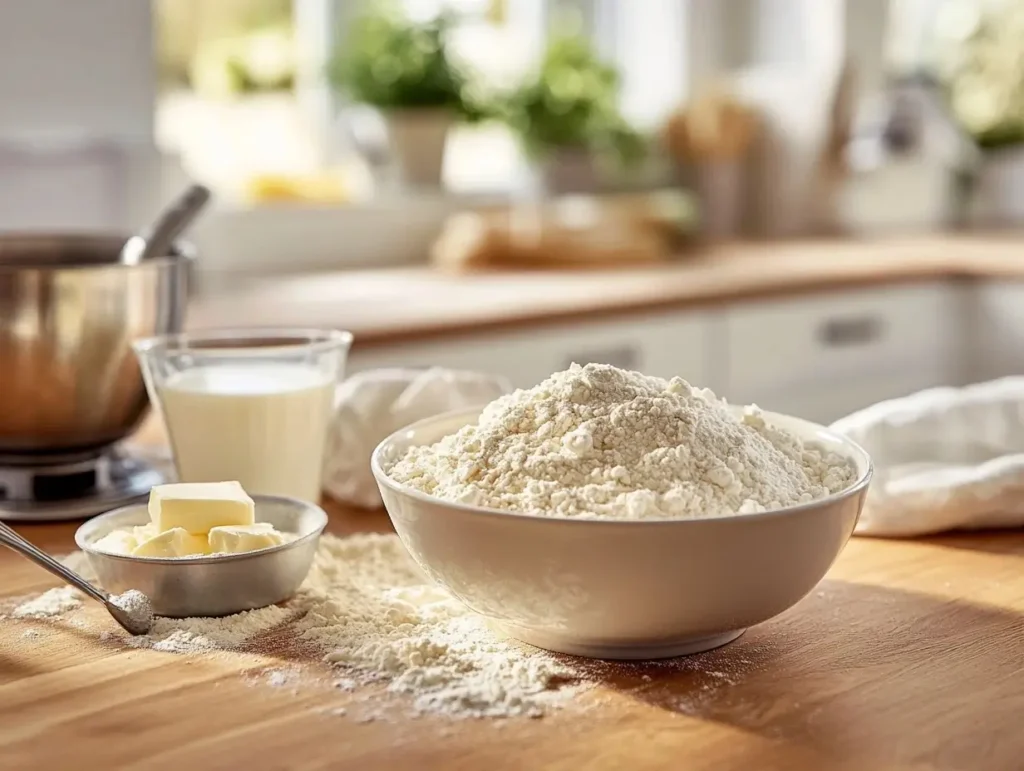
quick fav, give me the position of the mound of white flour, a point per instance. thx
(606, 443)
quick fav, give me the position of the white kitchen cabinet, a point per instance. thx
(825, 402)
(819, 357)
(848, 343)
(997, 330)
(664, 344)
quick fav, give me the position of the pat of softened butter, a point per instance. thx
(117, 542)
(176, 542)
(197, 507)
(235, 539)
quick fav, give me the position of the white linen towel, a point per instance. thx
(945, 459)
(372, 405)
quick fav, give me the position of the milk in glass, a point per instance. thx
(262, 424)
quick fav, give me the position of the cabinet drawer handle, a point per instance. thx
(623, 357)
(839, 333)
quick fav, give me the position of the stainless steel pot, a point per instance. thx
(69, 311)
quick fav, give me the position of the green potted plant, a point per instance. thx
(983, 74)
(404, 69)
(567, 116)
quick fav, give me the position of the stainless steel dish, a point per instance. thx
(69, 312)
(211, 586)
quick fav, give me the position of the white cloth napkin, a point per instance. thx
(371, 405)
(945, 459)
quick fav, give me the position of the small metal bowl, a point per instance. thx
(214, 585)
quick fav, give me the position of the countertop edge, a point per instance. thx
(718, 276)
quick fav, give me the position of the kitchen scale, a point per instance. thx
(75, 486)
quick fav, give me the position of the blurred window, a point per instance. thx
(242, 94)
(913, 24)
(647, 41)
(226, 99)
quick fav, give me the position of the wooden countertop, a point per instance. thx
(910, 655)
(391, 306)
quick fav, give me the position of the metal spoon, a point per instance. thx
(136, 621)
(172, 223)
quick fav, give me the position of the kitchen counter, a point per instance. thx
(910, 655)
(398, 305)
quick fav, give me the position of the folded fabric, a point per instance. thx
(945, 459)
(371, 405)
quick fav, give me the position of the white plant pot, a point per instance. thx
(418, 139)
(999, 189)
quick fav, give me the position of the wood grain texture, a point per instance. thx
(391, 306)
(910, 655)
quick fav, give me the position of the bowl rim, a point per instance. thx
(859, 486)
(181, 252)
(206, 559)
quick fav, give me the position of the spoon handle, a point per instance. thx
(174, 221)
(14, 541)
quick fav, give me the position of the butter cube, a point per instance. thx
(235, 539)
(196, 507)
(144, 532)
(175, 542)
(117, 542)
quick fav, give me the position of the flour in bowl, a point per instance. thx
(606, 443)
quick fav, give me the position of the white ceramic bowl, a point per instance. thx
(616, 589)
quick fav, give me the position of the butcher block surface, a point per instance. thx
(909, 655)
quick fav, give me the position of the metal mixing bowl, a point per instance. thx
(211, 586)
(69, 312)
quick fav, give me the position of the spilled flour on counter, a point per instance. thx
(373, 610)
(601, 442)
(53, 602)
(202, 635)
(368, 610)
